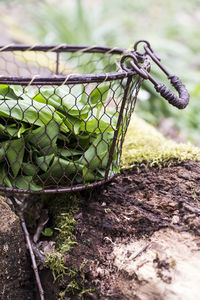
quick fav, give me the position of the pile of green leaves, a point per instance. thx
(54, 136)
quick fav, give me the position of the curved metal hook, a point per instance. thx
(147, 46)
(134, 65)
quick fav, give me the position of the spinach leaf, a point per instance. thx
(87, 174)
(99, 122)
(63, 101)
(26, 183)
(31, 112)
(29, 169)
(3, 150)
(45, 137)
(98, 96)
(15, 154)
(98, 153)
(49, 97)
(4, 180)
(7, 92)
(44, 161)
(73, 124)
(61, 167)
(69, 152)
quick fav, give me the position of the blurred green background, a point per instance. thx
(171, 26)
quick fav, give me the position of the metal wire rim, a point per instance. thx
(76, 188)
(67, 79)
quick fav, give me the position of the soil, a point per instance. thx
(138, 237)
(16, 275)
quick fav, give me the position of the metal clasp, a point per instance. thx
(134, 65)
(149, 51)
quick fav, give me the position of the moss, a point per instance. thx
(71, 288)
(63, 274)
(55, 262)
(144, 144)
(68, 278)
(62, 209)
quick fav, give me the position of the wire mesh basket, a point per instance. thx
(64, 112)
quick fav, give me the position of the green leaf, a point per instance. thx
(11, 130)
(4, 180)
(29, 169)
(47, 232)
(44, 161)
(61, 167)
(24, 128)
(99, 95)
(99, 122)
(50, 149)
(6, 92)
(97, 154)
(8, 130)
(84, 140)
(73, 124)
(101, 173)
(74, 100)
(49, 97)
(44, 138)
(2, 129)
(26, 183)
(87, 175)
(14, 129)
(69, 152)
(63, 137)
(31, 112)
(15, 154)
(64, 100)
(3, 150)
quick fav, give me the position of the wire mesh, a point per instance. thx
(63, 117)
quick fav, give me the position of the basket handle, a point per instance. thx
(180, 101)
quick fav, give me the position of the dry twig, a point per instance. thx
(142, 250)
(37, 277)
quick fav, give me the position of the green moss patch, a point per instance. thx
(144, 144)
(62, 209)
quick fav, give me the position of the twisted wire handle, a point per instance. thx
(180, 101)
